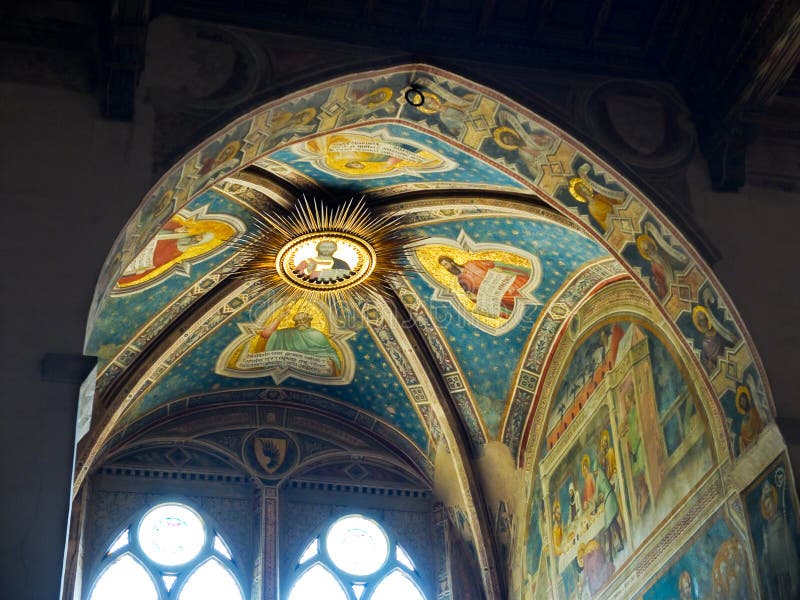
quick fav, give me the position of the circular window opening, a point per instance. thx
(357, 545)
(171, 534)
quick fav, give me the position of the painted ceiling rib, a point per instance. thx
(92, 445)
(492, 574)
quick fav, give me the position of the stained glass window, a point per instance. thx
(357, 545)
(355, 557)
(404, 558)
(171, 534)
(170, 552)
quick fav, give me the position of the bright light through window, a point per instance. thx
(169, 581)
(211, 581)
(397, 586)
(125, 579)
(170, 549)
(404, 558)
(310, 552)
(317, 584)
(220, 547)
(355, 559)
(121, 541)
(171, 534)
(357, 545)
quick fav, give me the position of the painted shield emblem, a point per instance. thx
(270, 453)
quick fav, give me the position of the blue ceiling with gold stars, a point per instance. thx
(484, 276)
(188, 247)
(374, 387)
(488, 353)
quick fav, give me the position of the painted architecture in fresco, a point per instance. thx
(625, 443)
(187, 238)
(489, 284)
(295, 339)
(772, 511)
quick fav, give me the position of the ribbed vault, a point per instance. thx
(461, 395)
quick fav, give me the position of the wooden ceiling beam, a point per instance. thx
(727, 117)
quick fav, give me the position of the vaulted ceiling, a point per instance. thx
(479, 181)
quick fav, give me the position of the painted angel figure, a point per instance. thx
(365, 103)
(751, 404)
(600, 199)
(452, 109)
(664, 259)
(759, 397)
(512, 136)
(715, 335)
(288, 123)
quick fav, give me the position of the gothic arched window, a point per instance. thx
(169, 553)
(354, 558)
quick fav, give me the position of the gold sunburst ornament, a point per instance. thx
(320, 254)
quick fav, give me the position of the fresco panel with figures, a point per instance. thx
(626, 441)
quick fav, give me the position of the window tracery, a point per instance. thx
(354, 558)
(171, 552)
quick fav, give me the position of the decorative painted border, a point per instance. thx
(543, 336)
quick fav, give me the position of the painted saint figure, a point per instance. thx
(575, 507)
(492, 285)
(324, 266)
(600, 200)
(729, 574)
(288, 123)
(686, 586)
(780, 563)
(453, 110)
(607, 456)
(167, 246)
(597, 569)
(531, 147)
(589, 486)
(715, 337)
(366, 103)
(558, 531)
(664, 259)
(751, 425)
(612, 527)
(225, 158)
(303, 339)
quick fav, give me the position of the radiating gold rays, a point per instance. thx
(266, 242)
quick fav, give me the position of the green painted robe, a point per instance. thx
(305, 341)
